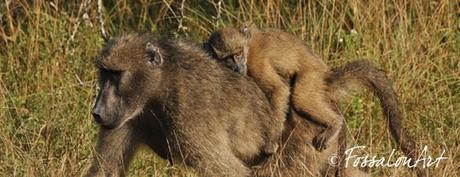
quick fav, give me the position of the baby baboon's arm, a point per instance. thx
(276, 90)
(114, 150)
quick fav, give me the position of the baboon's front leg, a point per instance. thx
(114, 150)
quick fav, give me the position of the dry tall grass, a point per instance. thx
(47, 79)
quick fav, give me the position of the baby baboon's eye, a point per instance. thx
(238, 54)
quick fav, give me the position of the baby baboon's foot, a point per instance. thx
(270, 148)
(321, 142)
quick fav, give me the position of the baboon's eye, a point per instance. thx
(218, 53)
(238, 55)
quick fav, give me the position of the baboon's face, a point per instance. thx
(129, 75)
(230, 47)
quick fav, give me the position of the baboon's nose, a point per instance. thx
(96, 117)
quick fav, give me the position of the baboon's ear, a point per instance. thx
(209, 49)
(153, 55)
(245, 29)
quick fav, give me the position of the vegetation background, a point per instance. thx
(47, 77)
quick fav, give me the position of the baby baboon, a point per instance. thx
(343, 80)
(232, 47)
(188, 108)
(273, 57)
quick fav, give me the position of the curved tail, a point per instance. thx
(356, 75)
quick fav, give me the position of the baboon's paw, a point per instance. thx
(320, 142)
(270, 148)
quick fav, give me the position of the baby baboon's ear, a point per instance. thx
(245, 29)
(209, 49)
(153, 55)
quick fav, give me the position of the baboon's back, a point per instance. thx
(208, 92)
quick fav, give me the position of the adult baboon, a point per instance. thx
(169, 95)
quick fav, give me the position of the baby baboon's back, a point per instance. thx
(273, 58)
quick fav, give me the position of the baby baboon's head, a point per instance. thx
(129, 75)
(229, 46)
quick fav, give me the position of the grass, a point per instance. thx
(47, 79)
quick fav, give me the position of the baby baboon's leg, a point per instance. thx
(277, 92)
(309, 99)
(114, 150)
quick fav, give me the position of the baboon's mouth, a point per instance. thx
(107, 125)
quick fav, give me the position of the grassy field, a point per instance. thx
(47, 77)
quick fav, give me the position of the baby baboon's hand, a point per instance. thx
(270, 148)
(321, 142)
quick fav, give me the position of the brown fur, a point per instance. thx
(337, 83)
(193, 112)
(351, 77)
(188, 109)
(361, 74)
(273, 57)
